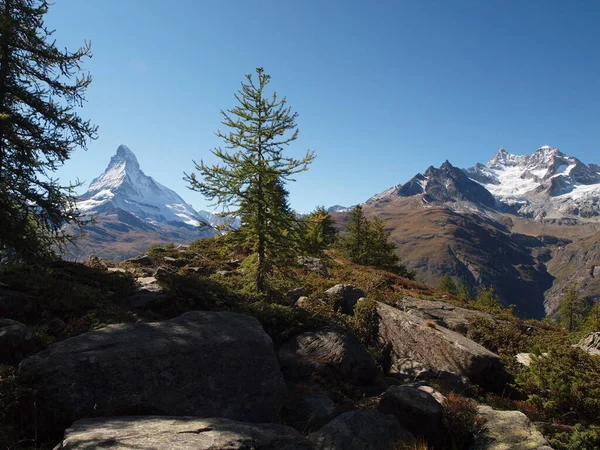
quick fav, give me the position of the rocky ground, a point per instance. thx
(171, 350)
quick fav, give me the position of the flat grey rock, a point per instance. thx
(509, 430)
(179, 433)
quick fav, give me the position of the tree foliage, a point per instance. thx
(319, 231)
(367, 243)
(591, 323)
(487, 297)
(41, 87)
(448, 285)
(249, 181)
(464, 292)
(564, 384)
(572, 308)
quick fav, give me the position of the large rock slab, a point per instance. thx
(422, 348)
(590, 343)
(179, 433)
(16, 341)
(346, 297)
(445, 314)
(331, 352)
(509, 430)
(417, 411)
(144, 260)
(360, 430)
(208, 364)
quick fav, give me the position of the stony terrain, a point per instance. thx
(167, 351)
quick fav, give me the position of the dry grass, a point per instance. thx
(419, 444)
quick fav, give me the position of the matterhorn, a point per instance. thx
(131, 211)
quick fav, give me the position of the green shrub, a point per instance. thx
(65, 289)
(282, 322)
(496, 337)
(565, 384)
(577, 438)
(365, 322)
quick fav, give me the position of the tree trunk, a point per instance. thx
(261, 270)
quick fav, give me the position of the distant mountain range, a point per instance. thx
(545, 185)
(132, 211)
(526, 225)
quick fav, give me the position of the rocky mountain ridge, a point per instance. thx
(546, 184)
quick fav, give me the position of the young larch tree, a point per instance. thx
(249, 181)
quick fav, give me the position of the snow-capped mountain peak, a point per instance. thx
(123, 164)
(547, 183)
(503, 158)
(124, 186)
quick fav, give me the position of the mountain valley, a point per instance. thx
(525, 225)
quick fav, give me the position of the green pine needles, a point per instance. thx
(249, 181)
(41, 88)
(367, 243)
(572, 308)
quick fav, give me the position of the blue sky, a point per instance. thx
(383, 89)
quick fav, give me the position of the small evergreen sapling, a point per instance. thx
(572, 308)
(249, 181)
(487, 297)
(448, 285)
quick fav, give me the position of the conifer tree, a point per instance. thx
(319, 231)
(367, 243)
(249, 181)
(572, 308)
(487, 297)
(380, 251)
(41, 87)
(448, 285)
(356, 242)
(464, 292)
(592, 319)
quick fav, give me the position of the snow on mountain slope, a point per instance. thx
(123, 185)
(546, 184)
(339, 209)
